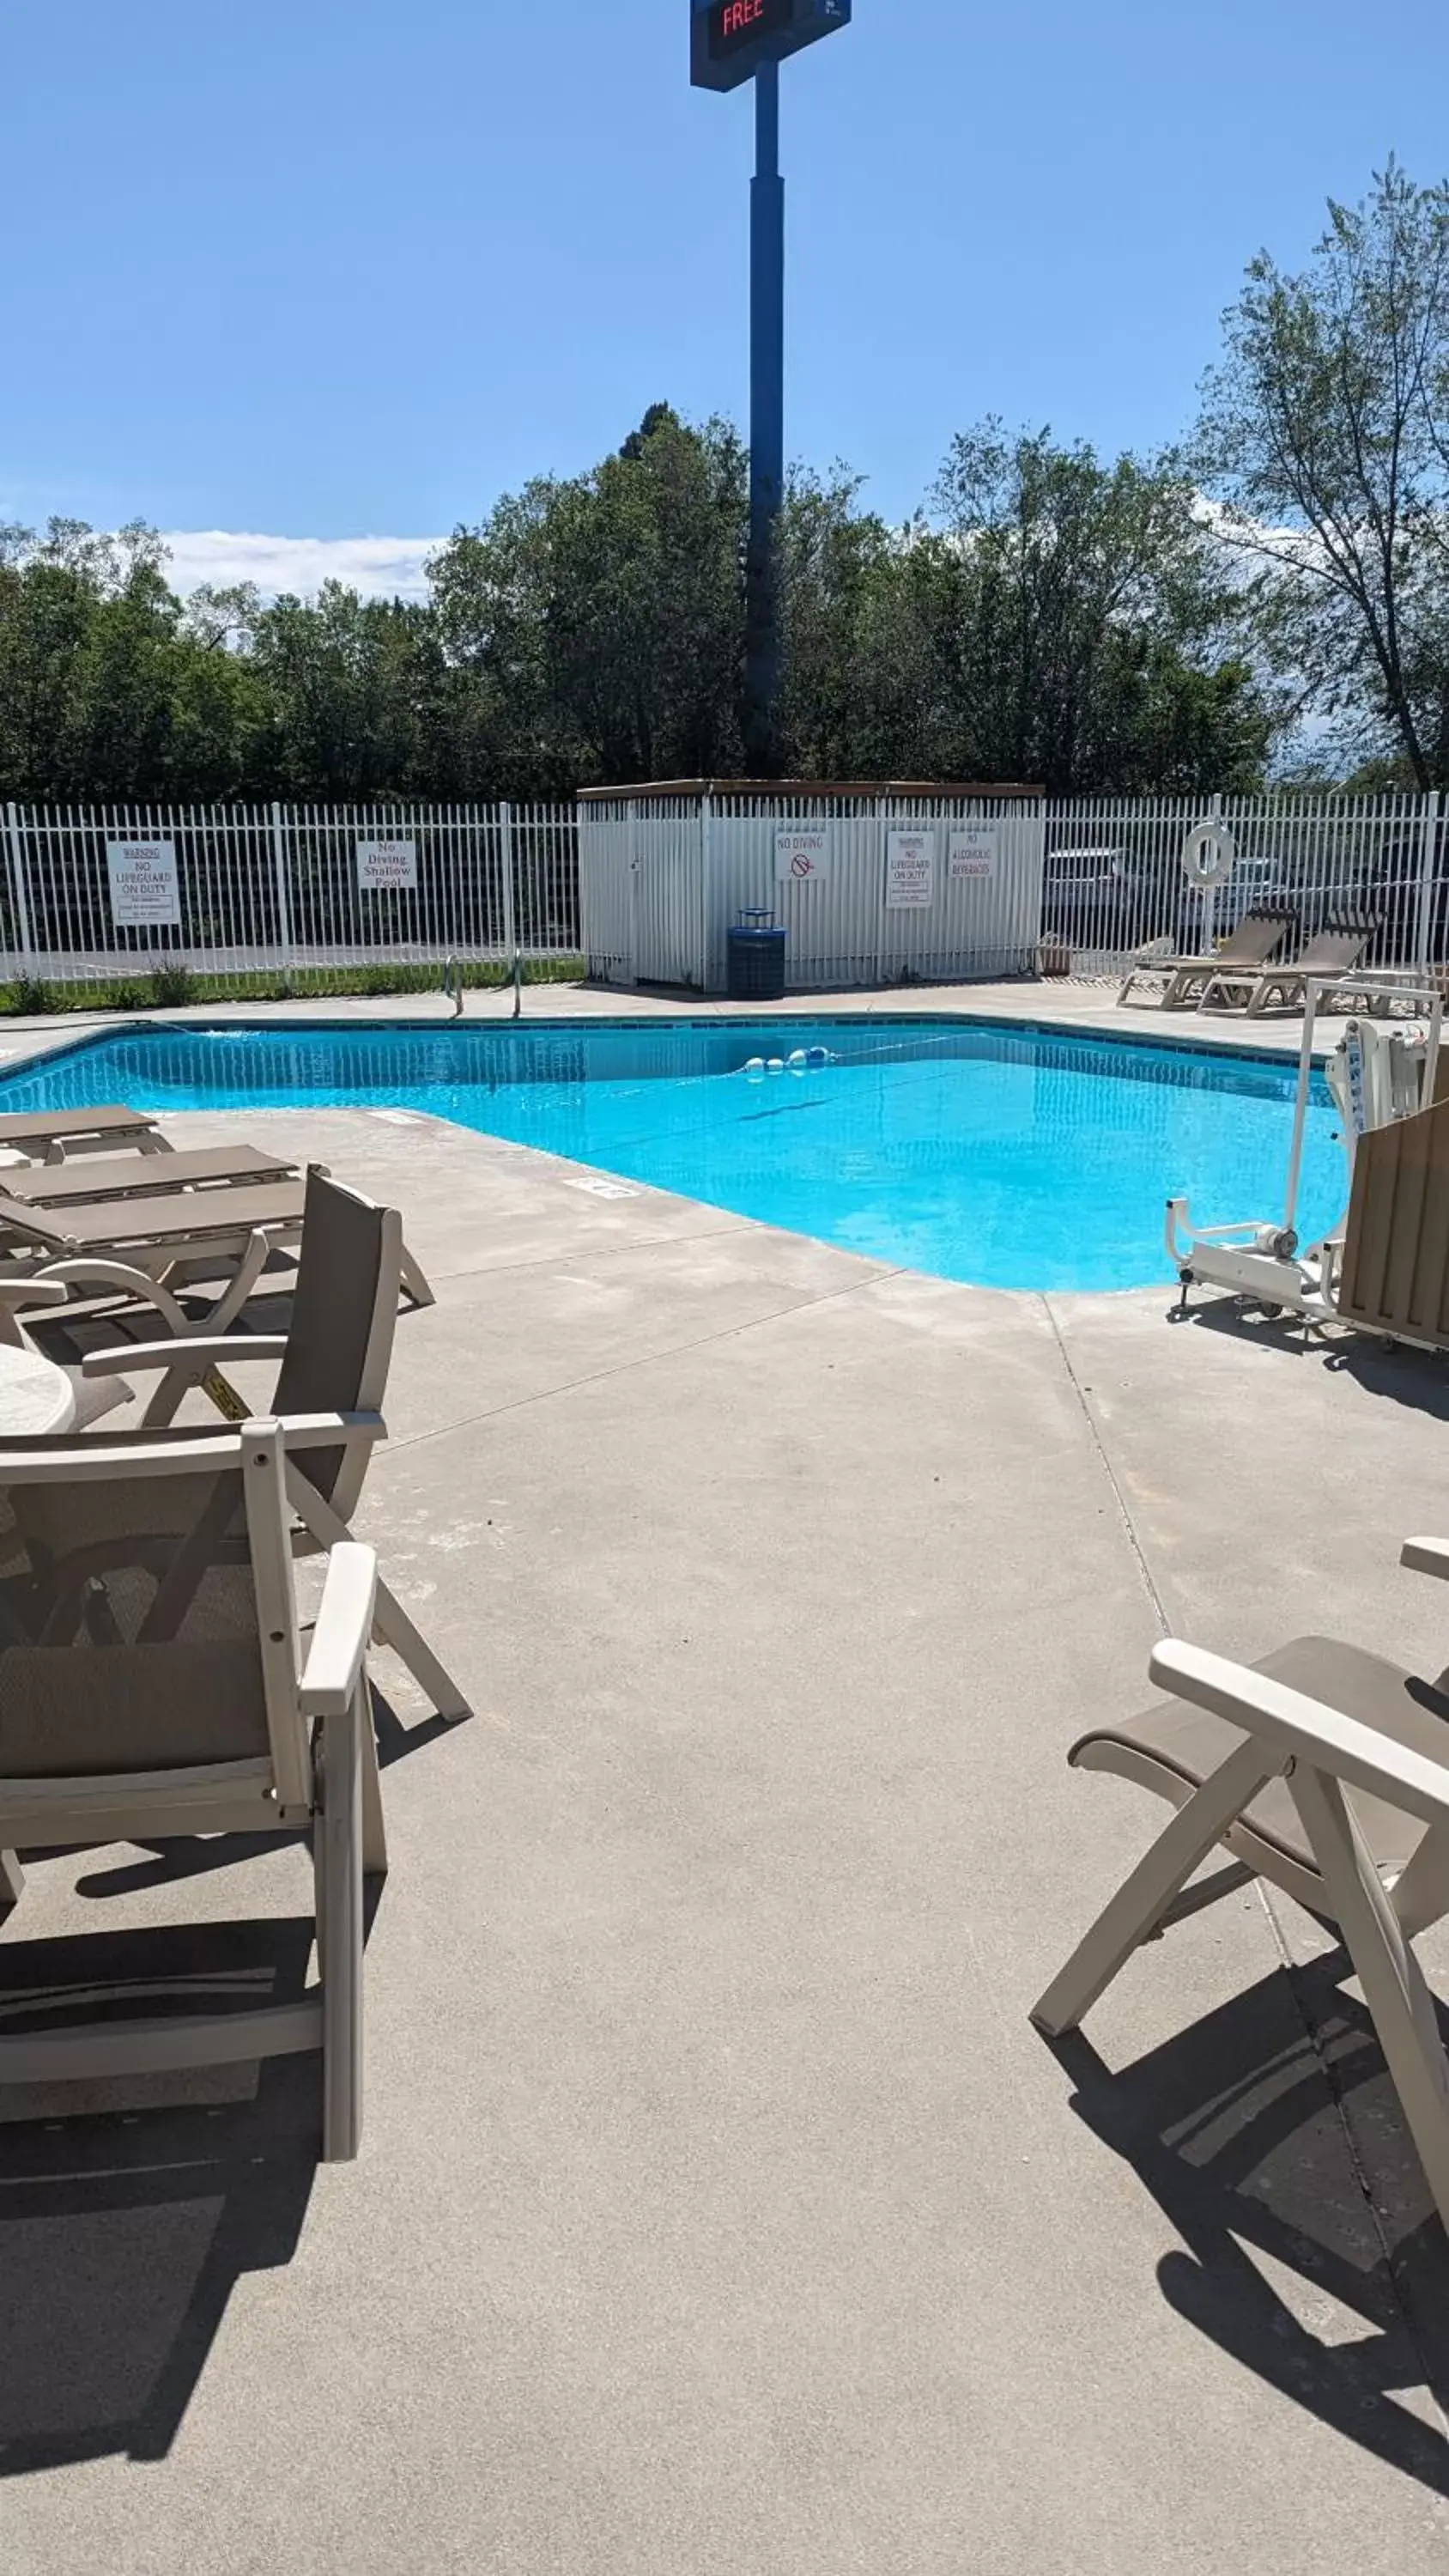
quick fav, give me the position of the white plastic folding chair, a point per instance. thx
(1324, 1770)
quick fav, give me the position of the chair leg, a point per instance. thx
(12, 1880)
(1393, 1983)
(1133, 1914)
(415, 1281)
(374, 1828)
(340, 1930)
(389, 1619)
(392, 1624)
(1420, 1893)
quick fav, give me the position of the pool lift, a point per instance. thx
(1375, 1076)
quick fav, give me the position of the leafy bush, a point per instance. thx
(172, 987)
(31, 998)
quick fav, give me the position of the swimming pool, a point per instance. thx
(1010, 1157)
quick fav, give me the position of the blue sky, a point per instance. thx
(327, 271)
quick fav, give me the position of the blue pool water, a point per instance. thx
(1013, 1158)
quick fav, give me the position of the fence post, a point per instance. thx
(1428, 860)
(631, 888)
(284, 889)
(1210, 892)
(505, 864)
(706, 861)
(19, 894)
(881, 839)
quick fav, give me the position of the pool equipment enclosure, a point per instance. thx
(897, 884)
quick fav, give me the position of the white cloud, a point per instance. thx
(380, 567)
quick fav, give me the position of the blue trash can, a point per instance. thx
(756, 953)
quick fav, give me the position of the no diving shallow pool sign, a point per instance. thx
(800, 856)
(1209, 855)
(387, 867)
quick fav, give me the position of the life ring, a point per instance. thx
(1209, 855)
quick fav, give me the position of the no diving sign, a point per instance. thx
(800, 856)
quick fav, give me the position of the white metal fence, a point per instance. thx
(1113, 878)
(646, 886)
(114, 893)
(1076, 885)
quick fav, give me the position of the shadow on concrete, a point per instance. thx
(1419, 1379)
(122, 2234)
(1237, 2128)
(173, 1858)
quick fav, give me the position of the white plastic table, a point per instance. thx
(35, 1395)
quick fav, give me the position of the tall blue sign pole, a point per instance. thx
(767, 432)
(733, 41)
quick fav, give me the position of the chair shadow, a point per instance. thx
(1240, 2141)
(123, 2233)
(173, 1858)
(1418, 1379)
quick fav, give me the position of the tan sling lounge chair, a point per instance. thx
(153, 1683)
(1283, 988)
(1251, 943)
(1324, 1770)
(155, 1243)
(333, 1359)
(136, 1176)
(150, 1247)
(54, 1135)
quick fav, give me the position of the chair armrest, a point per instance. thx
(343, 1631)
(1425, 1555)
(32, 1292)
(327, 1430)
(70, 1458)
(197, 1352)
(1304, 1729)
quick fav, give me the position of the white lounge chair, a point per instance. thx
(152, 1683)
(1324, 1770)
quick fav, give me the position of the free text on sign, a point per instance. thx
(735, 22)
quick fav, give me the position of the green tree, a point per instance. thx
(1325, 437)
(350, 685)
(1068, 624)
(601, 618)
(103, 692)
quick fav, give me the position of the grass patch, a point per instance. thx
(171, 987)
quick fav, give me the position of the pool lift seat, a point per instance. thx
(1385, 1267)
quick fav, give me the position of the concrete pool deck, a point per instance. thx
(1067, 1004)
(718, 2208)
